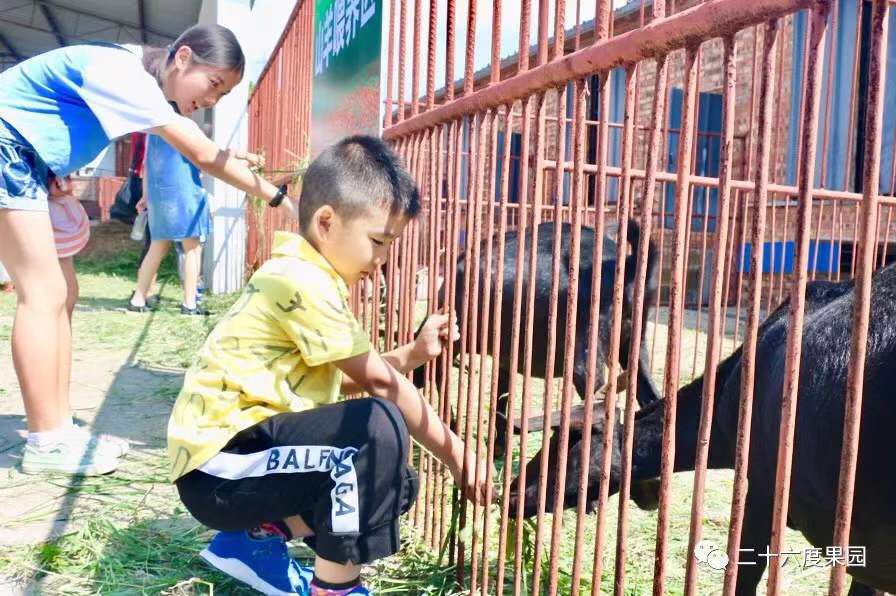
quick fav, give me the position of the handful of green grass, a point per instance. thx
(290, 175)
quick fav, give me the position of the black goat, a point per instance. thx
(647, 392)
(818, 436)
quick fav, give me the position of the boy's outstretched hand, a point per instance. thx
(472, 484)
(434, 335)
(371, 373)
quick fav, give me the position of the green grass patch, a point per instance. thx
(414, 570)
(162, 338)
(148, 556)
(161, 556)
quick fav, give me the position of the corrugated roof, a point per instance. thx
(30, 27)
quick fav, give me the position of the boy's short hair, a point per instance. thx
(355, 174)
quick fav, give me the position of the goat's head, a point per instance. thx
(645, 492)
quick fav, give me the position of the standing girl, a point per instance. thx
(71, 231)
(58, 110)
(178, 211)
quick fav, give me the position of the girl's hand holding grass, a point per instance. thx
(254, 160)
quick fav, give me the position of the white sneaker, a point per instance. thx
(107, 444)
(69, 457)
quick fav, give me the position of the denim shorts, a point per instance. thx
(23, 174)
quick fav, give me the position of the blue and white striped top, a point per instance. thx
(69, 103)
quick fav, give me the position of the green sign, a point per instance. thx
(346, 89)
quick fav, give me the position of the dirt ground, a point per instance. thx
(108, 394)
(112, 396)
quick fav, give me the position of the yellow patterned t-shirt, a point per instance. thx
(273, 352)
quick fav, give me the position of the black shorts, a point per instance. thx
(342, 467)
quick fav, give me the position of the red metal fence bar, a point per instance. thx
(869, 213)
(535, 192)
(542, 32)
(818, 28)
(415, 72)
(402, 58)
(431, 58)
(676, 299)
(523, 53)
(649, 192)
(715, 331)
(496, 43)
(470, 48)
(593, 331)
(553, 314)
(496, 345)
(624, 211)
(578, 196)
(390, 65)
(745, 417)
(525, 124)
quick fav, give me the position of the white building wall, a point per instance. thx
(103, 165)
(225, 251)
(258, 26)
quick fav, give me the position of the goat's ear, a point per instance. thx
(576, 418)
(535, 423)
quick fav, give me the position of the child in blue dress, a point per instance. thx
(58, 110)
(178, 212)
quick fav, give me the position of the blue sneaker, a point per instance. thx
(262, 563)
